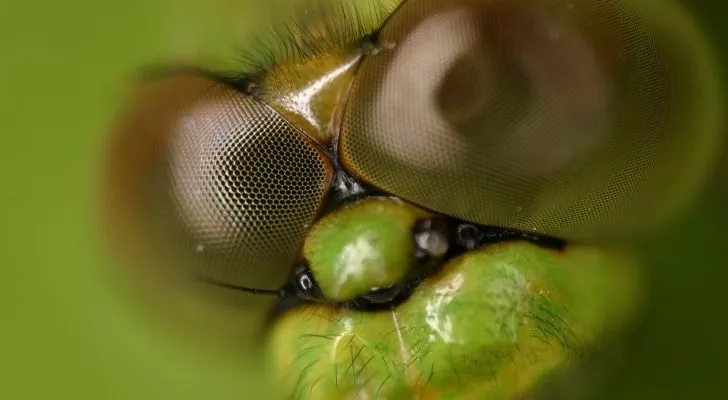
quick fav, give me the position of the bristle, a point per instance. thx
(310, 29)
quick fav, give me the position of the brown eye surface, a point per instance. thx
(569, 118)
(204, 176)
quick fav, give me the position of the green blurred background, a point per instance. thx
(65, 329)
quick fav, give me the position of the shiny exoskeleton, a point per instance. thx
(432, 203)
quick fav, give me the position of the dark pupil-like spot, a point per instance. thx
(483, 92)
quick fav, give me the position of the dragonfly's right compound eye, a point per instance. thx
(585, 120)
(203, 172)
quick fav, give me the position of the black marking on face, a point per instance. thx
(473, 236)
(386, 295)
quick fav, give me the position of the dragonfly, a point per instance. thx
(425, 198)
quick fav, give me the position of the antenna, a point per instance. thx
(244, 289)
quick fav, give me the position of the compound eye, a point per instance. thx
(569, 118)
(207, 176)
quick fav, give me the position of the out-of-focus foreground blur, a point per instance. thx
(68, 327)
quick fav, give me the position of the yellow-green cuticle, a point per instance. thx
(362, 246)
(492, 324)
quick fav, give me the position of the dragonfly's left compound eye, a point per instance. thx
(213, 175)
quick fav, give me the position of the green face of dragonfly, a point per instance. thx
(491, 324)
(587, 121)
